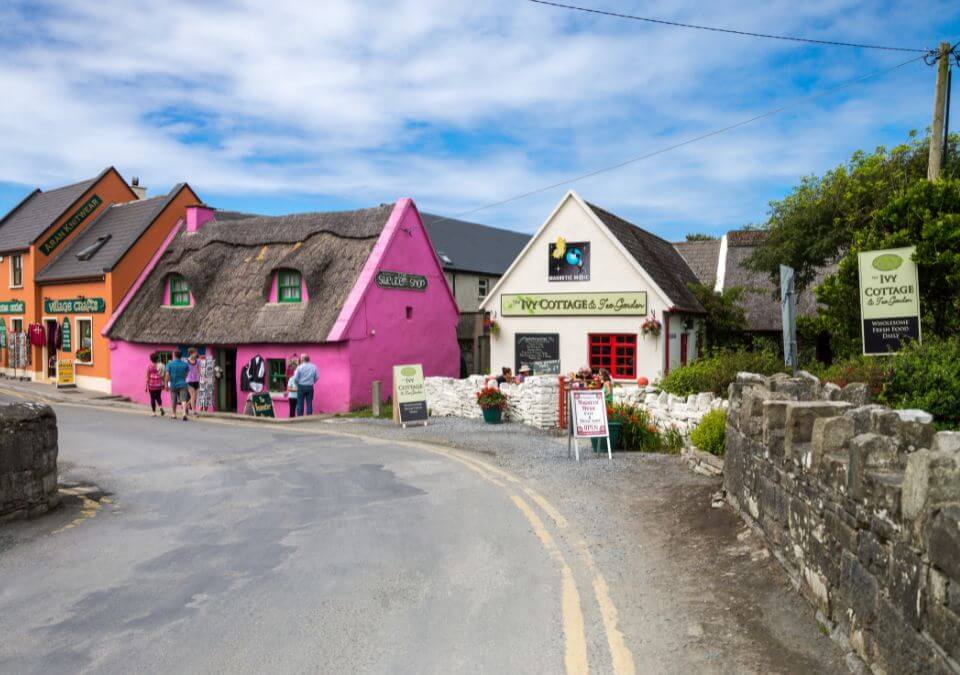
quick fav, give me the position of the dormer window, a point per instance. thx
(179, 291)
(289, 286)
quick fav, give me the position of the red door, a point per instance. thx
(683, 349)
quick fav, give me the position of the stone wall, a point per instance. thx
(668, 410)
(28, 460)
(861, 505)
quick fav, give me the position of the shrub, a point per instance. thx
(715, 373)
(871, 370)
(927, 376)
(711, 434)
(639, 432)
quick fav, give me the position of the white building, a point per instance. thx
(578, 295)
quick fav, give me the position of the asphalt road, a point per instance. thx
(214, 547)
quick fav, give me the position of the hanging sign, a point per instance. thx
(12, 307)
(401, 281)
(569, 261)
(66, 374)
(70, 225)
(889, 300)
(409, 395)
(574, 304)
(3, 334)
(540, 351)
(261, 404)
(66, 336)
(588, 418)
(75, 306)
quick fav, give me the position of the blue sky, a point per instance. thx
(457, 104)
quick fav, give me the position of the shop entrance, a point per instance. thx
(683, 348)
(227, 380)
(52, 329)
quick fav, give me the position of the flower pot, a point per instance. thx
(492, 415)
(616, 432)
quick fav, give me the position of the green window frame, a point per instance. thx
(289, 286)
(179, 291)
(277, 375)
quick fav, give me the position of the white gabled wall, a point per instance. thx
(610, 271)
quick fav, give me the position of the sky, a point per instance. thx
(288, 106)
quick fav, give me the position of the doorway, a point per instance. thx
(52, 329)
(226, 380)
(684, 341)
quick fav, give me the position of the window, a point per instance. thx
(16, 270)
(409, 312)
(179, 291)
(277, 374)
(615, 352)
(288, 286)
(16, 325)
(483, 286)
(85, 341)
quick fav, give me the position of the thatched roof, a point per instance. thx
(702, 257)
(229, 266)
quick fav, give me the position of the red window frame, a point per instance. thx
(617, 352)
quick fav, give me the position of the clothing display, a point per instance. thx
(207, 380)
(38, 334)
(19, 350)
(253, 375)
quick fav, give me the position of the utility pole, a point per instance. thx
(939, 111)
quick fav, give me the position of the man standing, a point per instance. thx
(177, 382)
(305, 378)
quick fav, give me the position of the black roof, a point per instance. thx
(31, 217)
(658, 257)
(470, 247)
(107, 239)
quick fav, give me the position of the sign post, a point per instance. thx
(889, 300)
(588, 419)
(66, 374)
(788, 312)
(409, 395)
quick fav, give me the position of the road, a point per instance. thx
(232, 548)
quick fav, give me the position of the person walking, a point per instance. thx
(193, 379)
(177, 383)
(154, 384)
(305, 378)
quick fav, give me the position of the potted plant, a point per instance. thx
(615, 419)
(492, 402)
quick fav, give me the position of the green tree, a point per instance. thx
(725, 322)
(698, 236)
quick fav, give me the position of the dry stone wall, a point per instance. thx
(28, 460)
(861, 505)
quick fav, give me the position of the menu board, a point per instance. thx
(540, 351)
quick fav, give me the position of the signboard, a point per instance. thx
(588, 418)
(70, 225)
(401, 281)
(66, 336)
(574, 304)
(788, 315)
(3, 334)
(66, 374)
(889, 300)
(261, 404)
(75, 306)
(409, 396)
(569, 261)
(12, 307)
(537, 349)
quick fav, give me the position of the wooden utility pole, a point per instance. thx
(939, 110)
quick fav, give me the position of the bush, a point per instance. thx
(927, 376)
(711, 434)
(639, 432)
(715, 373)
(873, 371)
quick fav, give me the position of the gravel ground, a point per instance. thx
(694, 587)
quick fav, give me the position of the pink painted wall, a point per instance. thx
(128, 370)
(331, 392)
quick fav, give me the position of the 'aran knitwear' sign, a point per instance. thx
(75, 306)
(70, 225)
(889, 299)
(12, 307)
(401, 281)
(574, 304)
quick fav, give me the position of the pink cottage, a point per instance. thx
(359, 291)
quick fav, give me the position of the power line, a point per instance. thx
(727, 30)
(709, 134)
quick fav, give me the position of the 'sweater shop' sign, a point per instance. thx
(401, 281)
(70, 225)
(75, 306)
(889, 299)
(12, 307)
(574, 304)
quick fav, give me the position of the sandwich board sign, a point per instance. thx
(261, 405)
(889, 300)
(588, 418)
(66, 374)
(409, 395)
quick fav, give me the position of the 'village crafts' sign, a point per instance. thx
(70, 225)
(12, 307)
(574, 304)
(889, 299)
(401, 280)
(75, 306)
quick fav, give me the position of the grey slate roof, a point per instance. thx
(28, 220)
(124, 224)
(658, 257)
(472, 247)
(702, 258)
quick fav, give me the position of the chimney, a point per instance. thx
(141, 192)
(198, 216)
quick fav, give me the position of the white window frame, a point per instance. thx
(16, 256)
(483, 287)
(79, 340)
